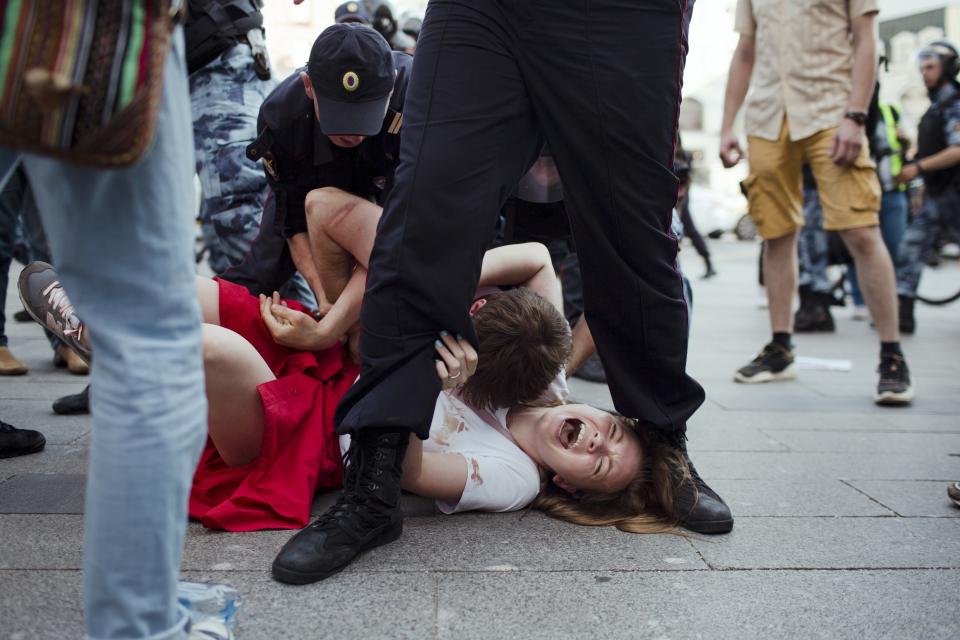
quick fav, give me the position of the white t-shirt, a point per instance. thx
(500, 476)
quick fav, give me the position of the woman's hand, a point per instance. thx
(458, 361)
(291, 328)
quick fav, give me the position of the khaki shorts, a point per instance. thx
(850, 196)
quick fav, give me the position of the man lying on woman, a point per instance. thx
(501, 437)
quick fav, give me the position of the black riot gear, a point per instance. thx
(930, 140)
(213, 26)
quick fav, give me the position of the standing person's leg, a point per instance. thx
(468, 135)
(851, 204)
(620, 60)
(812, 261)
(775, 196)
(893, 224)
(225, 97)
(122, 242)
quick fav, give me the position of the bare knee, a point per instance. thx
(327, 207)
(216, 346)
(862, 241)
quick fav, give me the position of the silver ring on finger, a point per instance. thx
(455, 377)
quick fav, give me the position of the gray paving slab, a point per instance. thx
(468, 542)
(835, 543)
(924, 465)
(867, 442)
(46, 604)
(37, 414)
(724, 438)
(692, 605)
(43, 493)
(771, 421)
(40, 541)
(54, 458)
(23, 388)
(480, 542)
(799, 497)
(910, 498)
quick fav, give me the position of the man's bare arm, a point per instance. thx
(863, 31)
(849, 138)
(738, 82)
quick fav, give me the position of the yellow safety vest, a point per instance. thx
(896, 150)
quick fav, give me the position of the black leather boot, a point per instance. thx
(701, 509)
(365, 516)
(814, 315)
(908, 323)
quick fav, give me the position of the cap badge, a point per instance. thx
(352, 7)
(351, 81)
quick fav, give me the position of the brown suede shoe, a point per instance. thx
(64, 356)
(9, 365)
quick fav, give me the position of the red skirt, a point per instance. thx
(299, 453)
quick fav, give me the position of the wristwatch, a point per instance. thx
(857, 116)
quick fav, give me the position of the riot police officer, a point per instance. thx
(938, 162)
(229, 79)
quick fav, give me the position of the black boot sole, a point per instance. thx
(712, 527)
(34, 449)
(289, 576)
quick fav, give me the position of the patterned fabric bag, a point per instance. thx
(81, 79)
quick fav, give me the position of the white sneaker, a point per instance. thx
(860, 313)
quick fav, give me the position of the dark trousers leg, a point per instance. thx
(608, 104)
(468, 135)
(691, 231)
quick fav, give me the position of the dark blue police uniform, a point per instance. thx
(492, 80)
(297, 158)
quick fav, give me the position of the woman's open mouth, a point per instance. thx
(571, 433)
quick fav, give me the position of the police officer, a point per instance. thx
(352, 12)
(229, 79)
(336, 124)
(489, 87)
(938, 162)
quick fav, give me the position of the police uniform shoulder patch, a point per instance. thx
(270, 165)
(395, 123)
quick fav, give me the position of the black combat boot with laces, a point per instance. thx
(366, 515)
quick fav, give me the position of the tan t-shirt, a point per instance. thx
(803, 64)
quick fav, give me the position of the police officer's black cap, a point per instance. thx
(352, 12)
(351, 69)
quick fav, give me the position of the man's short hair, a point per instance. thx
(523, 342)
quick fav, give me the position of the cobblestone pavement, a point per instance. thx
(843, 526)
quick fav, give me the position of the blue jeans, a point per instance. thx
(122, 243)
(893, 224)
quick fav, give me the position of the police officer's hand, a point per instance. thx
(458, 361)
(847, 142)
(730, 151)
(292, 328)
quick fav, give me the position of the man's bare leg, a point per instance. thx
(876, 276)
(341, 228)
(780, 279)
